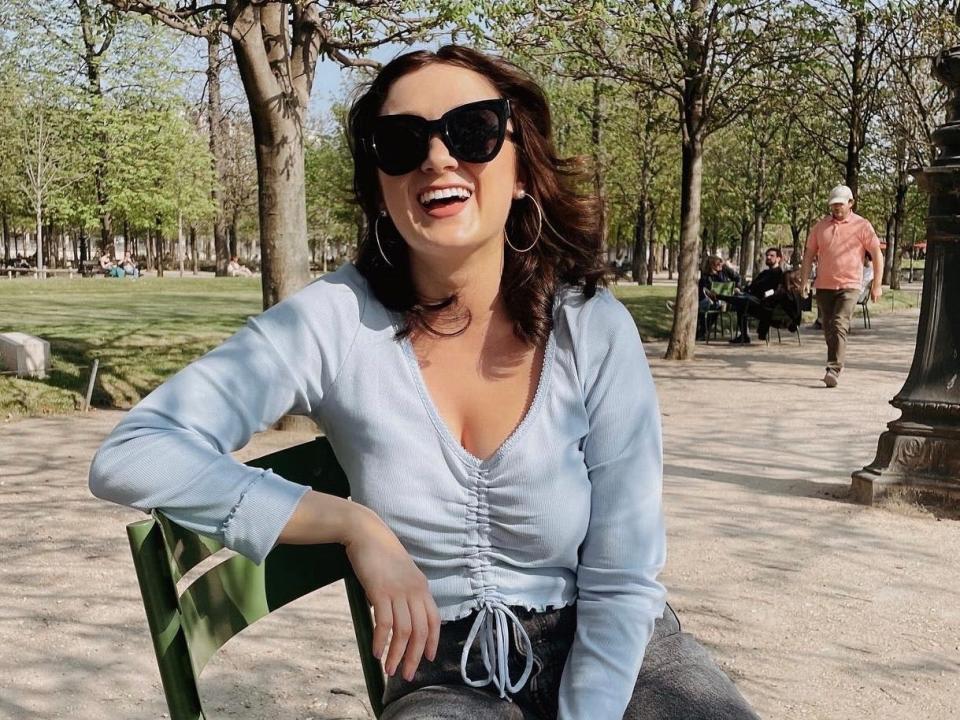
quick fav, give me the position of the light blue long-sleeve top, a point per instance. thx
(567, 510)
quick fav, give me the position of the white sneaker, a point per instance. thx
(830, 379)
(670, 305)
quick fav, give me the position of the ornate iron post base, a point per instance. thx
(919, 453)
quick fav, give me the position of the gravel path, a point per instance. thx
(817, 607)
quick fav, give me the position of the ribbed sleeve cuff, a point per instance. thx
(261, 514)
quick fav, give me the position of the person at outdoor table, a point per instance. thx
(490, 403)
(840, 242)
(761, 289)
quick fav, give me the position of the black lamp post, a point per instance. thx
(920, 451)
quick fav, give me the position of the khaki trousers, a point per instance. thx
(836, 308)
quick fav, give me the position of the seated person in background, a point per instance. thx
(732, 273)
(867, 277)
(129, 265)
(714, 270)
(235, 269)
(760, 289)
(787, 298)
(109, 267)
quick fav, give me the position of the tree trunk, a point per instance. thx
(894, 248)
(92, 58)
(796, 233)
(215, 126)
(232, 234)
(758, 226)
(39, 236)
(683, 337)
(6, 233)
(759, 207)
(746, 247)
(856, 122)
(283, 214)
(278, 124)
(596, 138)
(158, 240)
(651, 242)
(195, 258)
(639, 265)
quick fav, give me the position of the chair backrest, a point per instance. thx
(722, 288)
(188, 628)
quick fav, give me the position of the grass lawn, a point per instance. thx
(145, 330)
(142, 331)
(647, 304)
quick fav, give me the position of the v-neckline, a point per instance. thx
(443, 429)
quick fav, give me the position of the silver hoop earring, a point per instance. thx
(520, 196)
(376, 236)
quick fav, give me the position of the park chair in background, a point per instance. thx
(863, 302)
(188, 628)
(723, 314)
(780, 319)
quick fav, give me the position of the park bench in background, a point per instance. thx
(863, 301)
(189, 627)
(90, 268)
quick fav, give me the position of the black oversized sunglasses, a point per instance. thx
(473, 133)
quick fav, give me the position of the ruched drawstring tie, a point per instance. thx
(491, 627)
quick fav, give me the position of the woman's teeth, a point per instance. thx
(432, 196)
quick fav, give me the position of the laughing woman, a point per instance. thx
(492, 408)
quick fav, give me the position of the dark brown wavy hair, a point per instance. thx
(569, 248)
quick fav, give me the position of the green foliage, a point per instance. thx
(333, 217)
(160, 167)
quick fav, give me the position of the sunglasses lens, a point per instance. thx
(400, 143)
(475, 133)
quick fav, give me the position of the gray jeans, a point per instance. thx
(678, 680)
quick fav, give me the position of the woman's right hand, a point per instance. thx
(403, 607)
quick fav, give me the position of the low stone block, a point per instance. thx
(26, 355)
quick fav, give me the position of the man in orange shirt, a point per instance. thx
(839, 243)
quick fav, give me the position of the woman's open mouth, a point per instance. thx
(444, 202)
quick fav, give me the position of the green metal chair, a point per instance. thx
(188, 629)
(780, 319)
(723, 313)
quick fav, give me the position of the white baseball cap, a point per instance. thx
(840, 194)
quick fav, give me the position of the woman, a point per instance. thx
(491, 407)
(714, 270)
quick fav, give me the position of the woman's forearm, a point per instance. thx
(322, 518)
